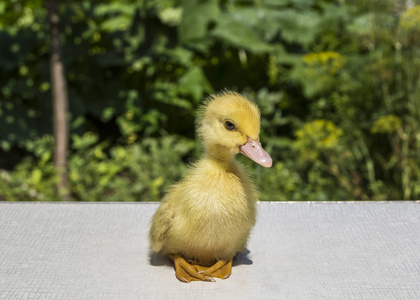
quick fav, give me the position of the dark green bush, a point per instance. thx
(337, 83)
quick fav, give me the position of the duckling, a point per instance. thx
(205, 220)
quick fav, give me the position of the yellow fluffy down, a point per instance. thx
(208, 216)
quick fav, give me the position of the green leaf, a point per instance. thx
(195, 19)
(194, 83)
(112, 8)
(116, 24)
(180, 55)
(171, 15)
(239, 35)
(5, 145)
(298, 27)
(369, 22)
(36, 176)
(278, 3)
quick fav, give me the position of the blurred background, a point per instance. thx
(337, 82)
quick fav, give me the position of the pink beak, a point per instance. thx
(255, 151)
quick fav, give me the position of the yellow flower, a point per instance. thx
(410, 19)
(129, 114)
(317, 136)
(387, 124)
(328, 60)
(132, 138)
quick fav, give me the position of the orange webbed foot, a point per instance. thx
(186, 272)
(221, 269)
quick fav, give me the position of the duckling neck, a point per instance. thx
(220, 155)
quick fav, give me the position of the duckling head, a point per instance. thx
(230, 124)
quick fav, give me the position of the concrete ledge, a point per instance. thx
(357, 250)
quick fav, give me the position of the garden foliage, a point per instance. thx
(338, 84)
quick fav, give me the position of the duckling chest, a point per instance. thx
(224, 201)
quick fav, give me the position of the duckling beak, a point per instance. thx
(255, 151)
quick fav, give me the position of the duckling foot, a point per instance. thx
(186, 272)
(221, 269)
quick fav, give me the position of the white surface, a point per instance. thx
(362, 250)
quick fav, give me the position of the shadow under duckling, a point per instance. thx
(205, 220)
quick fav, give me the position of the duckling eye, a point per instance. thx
(229, 125)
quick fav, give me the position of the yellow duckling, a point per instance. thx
(205, 220)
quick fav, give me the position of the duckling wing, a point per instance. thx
(161, 223)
